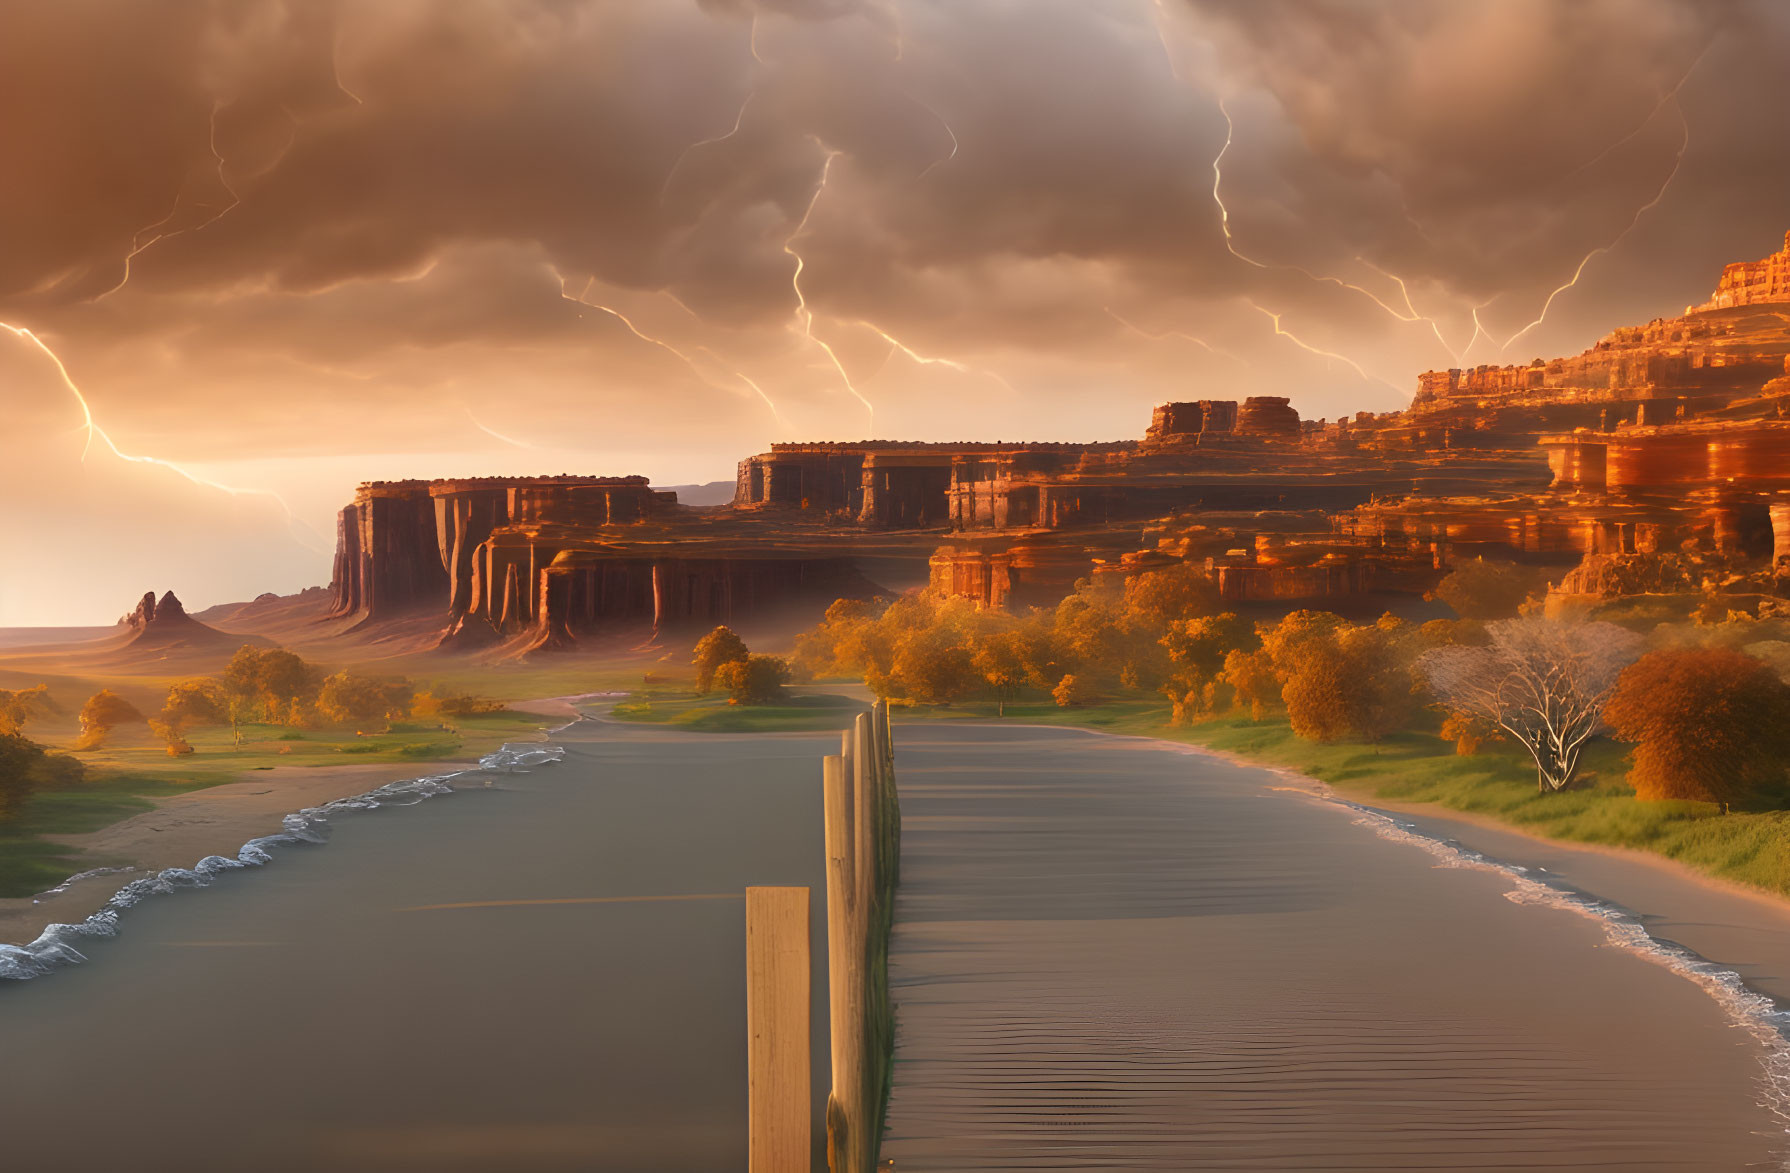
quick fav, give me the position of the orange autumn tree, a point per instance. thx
(1711, 724)
(719, 647)
(189, 703)
(1477, 589)
(104, 711)
(18, 707)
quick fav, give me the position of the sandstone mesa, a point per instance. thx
(1657, 461)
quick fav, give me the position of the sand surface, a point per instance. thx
(1112, 953)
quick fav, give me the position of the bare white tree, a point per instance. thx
(1543, 681)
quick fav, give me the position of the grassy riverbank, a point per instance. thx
(1411, 766)
(127, 777)
(1417, 766)
(800, 713)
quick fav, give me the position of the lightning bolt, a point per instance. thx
(952, 133)
(139, 246)
(494, 433)
(1411, 307)
(583, 299)
(897, 346)
(752, 40)
(297, 529)
(776, 414)
(1665, 99)
(335, 65)
(738, 120)
(803, 314)
(1677, 163)
(1181, 334)
(1224, 224)
(1479, 331)
(1306, 346)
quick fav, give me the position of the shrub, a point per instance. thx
(713, 651)
(756, 680)
(350, 699)
(1071, 691)
(444, 703)
(25, 768)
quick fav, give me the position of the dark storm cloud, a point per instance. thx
(306, 227)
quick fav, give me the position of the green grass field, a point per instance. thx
(680, 709)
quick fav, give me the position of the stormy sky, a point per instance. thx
(281, 246)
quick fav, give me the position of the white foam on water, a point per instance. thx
(1757, 1014)
(55, 946)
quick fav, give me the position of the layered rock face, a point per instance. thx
(1731, 345)
(875, 483)
(545, 562)
(404, 546)
(1761, 282)
(1663, 439)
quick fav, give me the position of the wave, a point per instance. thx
(55, 946)
(1757, 1014)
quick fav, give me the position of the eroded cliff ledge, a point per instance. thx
(1665, 439)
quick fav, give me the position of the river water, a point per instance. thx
(1109, 955)
(317, 1013)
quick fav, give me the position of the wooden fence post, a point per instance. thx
(844, 970)
(779, 1083)
(863, 837)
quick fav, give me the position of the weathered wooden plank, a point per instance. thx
(777, 1007)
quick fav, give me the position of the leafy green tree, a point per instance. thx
(718, 647)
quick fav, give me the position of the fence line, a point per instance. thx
(863, 843)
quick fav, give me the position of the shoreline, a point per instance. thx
(1727, 924)
(182, 829)
(1261, 983)
(185, 828)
